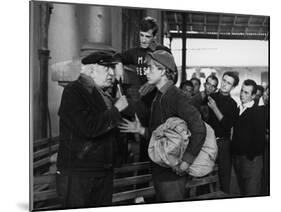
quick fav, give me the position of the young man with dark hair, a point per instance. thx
(223, 112)
(135, 64)
(169, 102)
(201, 99)
(196, 85)
(187, 87)
(248, 141)
(259, 94)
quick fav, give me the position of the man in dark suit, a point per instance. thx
(88, 121)
(248, 141)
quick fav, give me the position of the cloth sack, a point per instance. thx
(169, 142)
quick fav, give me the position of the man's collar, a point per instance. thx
(166, 86)
(248, 104)
(153, 45)
(87, 82)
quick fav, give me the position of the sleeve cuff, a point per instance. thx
(187, 157)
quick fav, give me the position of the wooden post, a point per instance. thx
(183, 67)
(43, 54)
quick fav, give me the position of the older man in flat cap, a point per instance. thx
(169, 102)
(88, 121)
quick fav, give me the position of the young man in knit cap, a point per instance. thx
(88, 126)
(169, 102)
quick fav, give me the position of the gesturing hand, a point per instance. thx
(132, 126)
(212, 103)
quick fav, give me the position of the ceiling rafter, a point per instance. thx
(220, 25)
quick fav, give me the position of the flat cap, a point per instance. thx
(165, 58)
(101, 58)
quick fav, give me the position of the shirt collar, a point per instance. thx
(87, 82)
(165, 87)
(245, 106)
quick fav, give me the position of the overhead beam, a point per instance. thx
(246, 28)
(219, 27)
(190, 21)
(205, 23)
(234, 22)
(222, 36)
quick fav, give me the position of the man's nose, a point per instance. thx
(143, 39)
(111, 71)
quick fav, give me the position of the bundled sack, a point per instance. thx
(169, 142)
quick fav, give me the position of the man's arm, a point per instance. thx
(226, 120)
(196, 126)
(83, 119)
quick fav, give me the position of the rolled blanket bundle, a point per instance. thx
(169, 142)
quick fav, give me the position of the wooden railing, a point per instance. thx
(130, 181)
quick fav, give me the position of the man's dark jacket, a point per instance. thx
(249, 133)
(85, 119)
(173, 103)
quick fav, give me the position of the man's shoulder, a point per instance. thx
(162, 47)
(228, 99)
(175, 93)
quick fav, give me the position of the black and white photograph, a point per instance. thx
(136, 105)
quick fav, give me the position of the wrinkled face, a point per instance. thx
(153, 72)
(103, 76)
(146, 38)
(246, 94)
(188, 90)
(227, 83)
(196, 86)
(210, 86)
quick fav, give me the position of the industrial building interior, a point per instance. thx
(201, 42)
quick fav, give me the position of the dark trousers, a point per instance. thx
(249, 174)
(169, 189)
(224, 164)
(265, 175)
(78, 190)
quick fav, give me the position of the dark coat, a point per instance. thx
(249, 133)
(173, 103)
(87, 129)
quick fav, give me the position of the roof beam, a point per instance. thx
(176, 21)
(246, 28)
(205, 23)
(219, 27)
(190, 21)
(234, 22)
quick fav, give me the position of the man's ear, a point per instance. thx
(254, 96)
(163, 72)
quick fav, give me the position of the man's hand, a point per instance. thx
(119, 72)
(132, 126)
(212, 103)
(181, 169)
(121, 103)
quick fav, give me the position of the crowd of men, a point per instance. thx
(91, 120)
